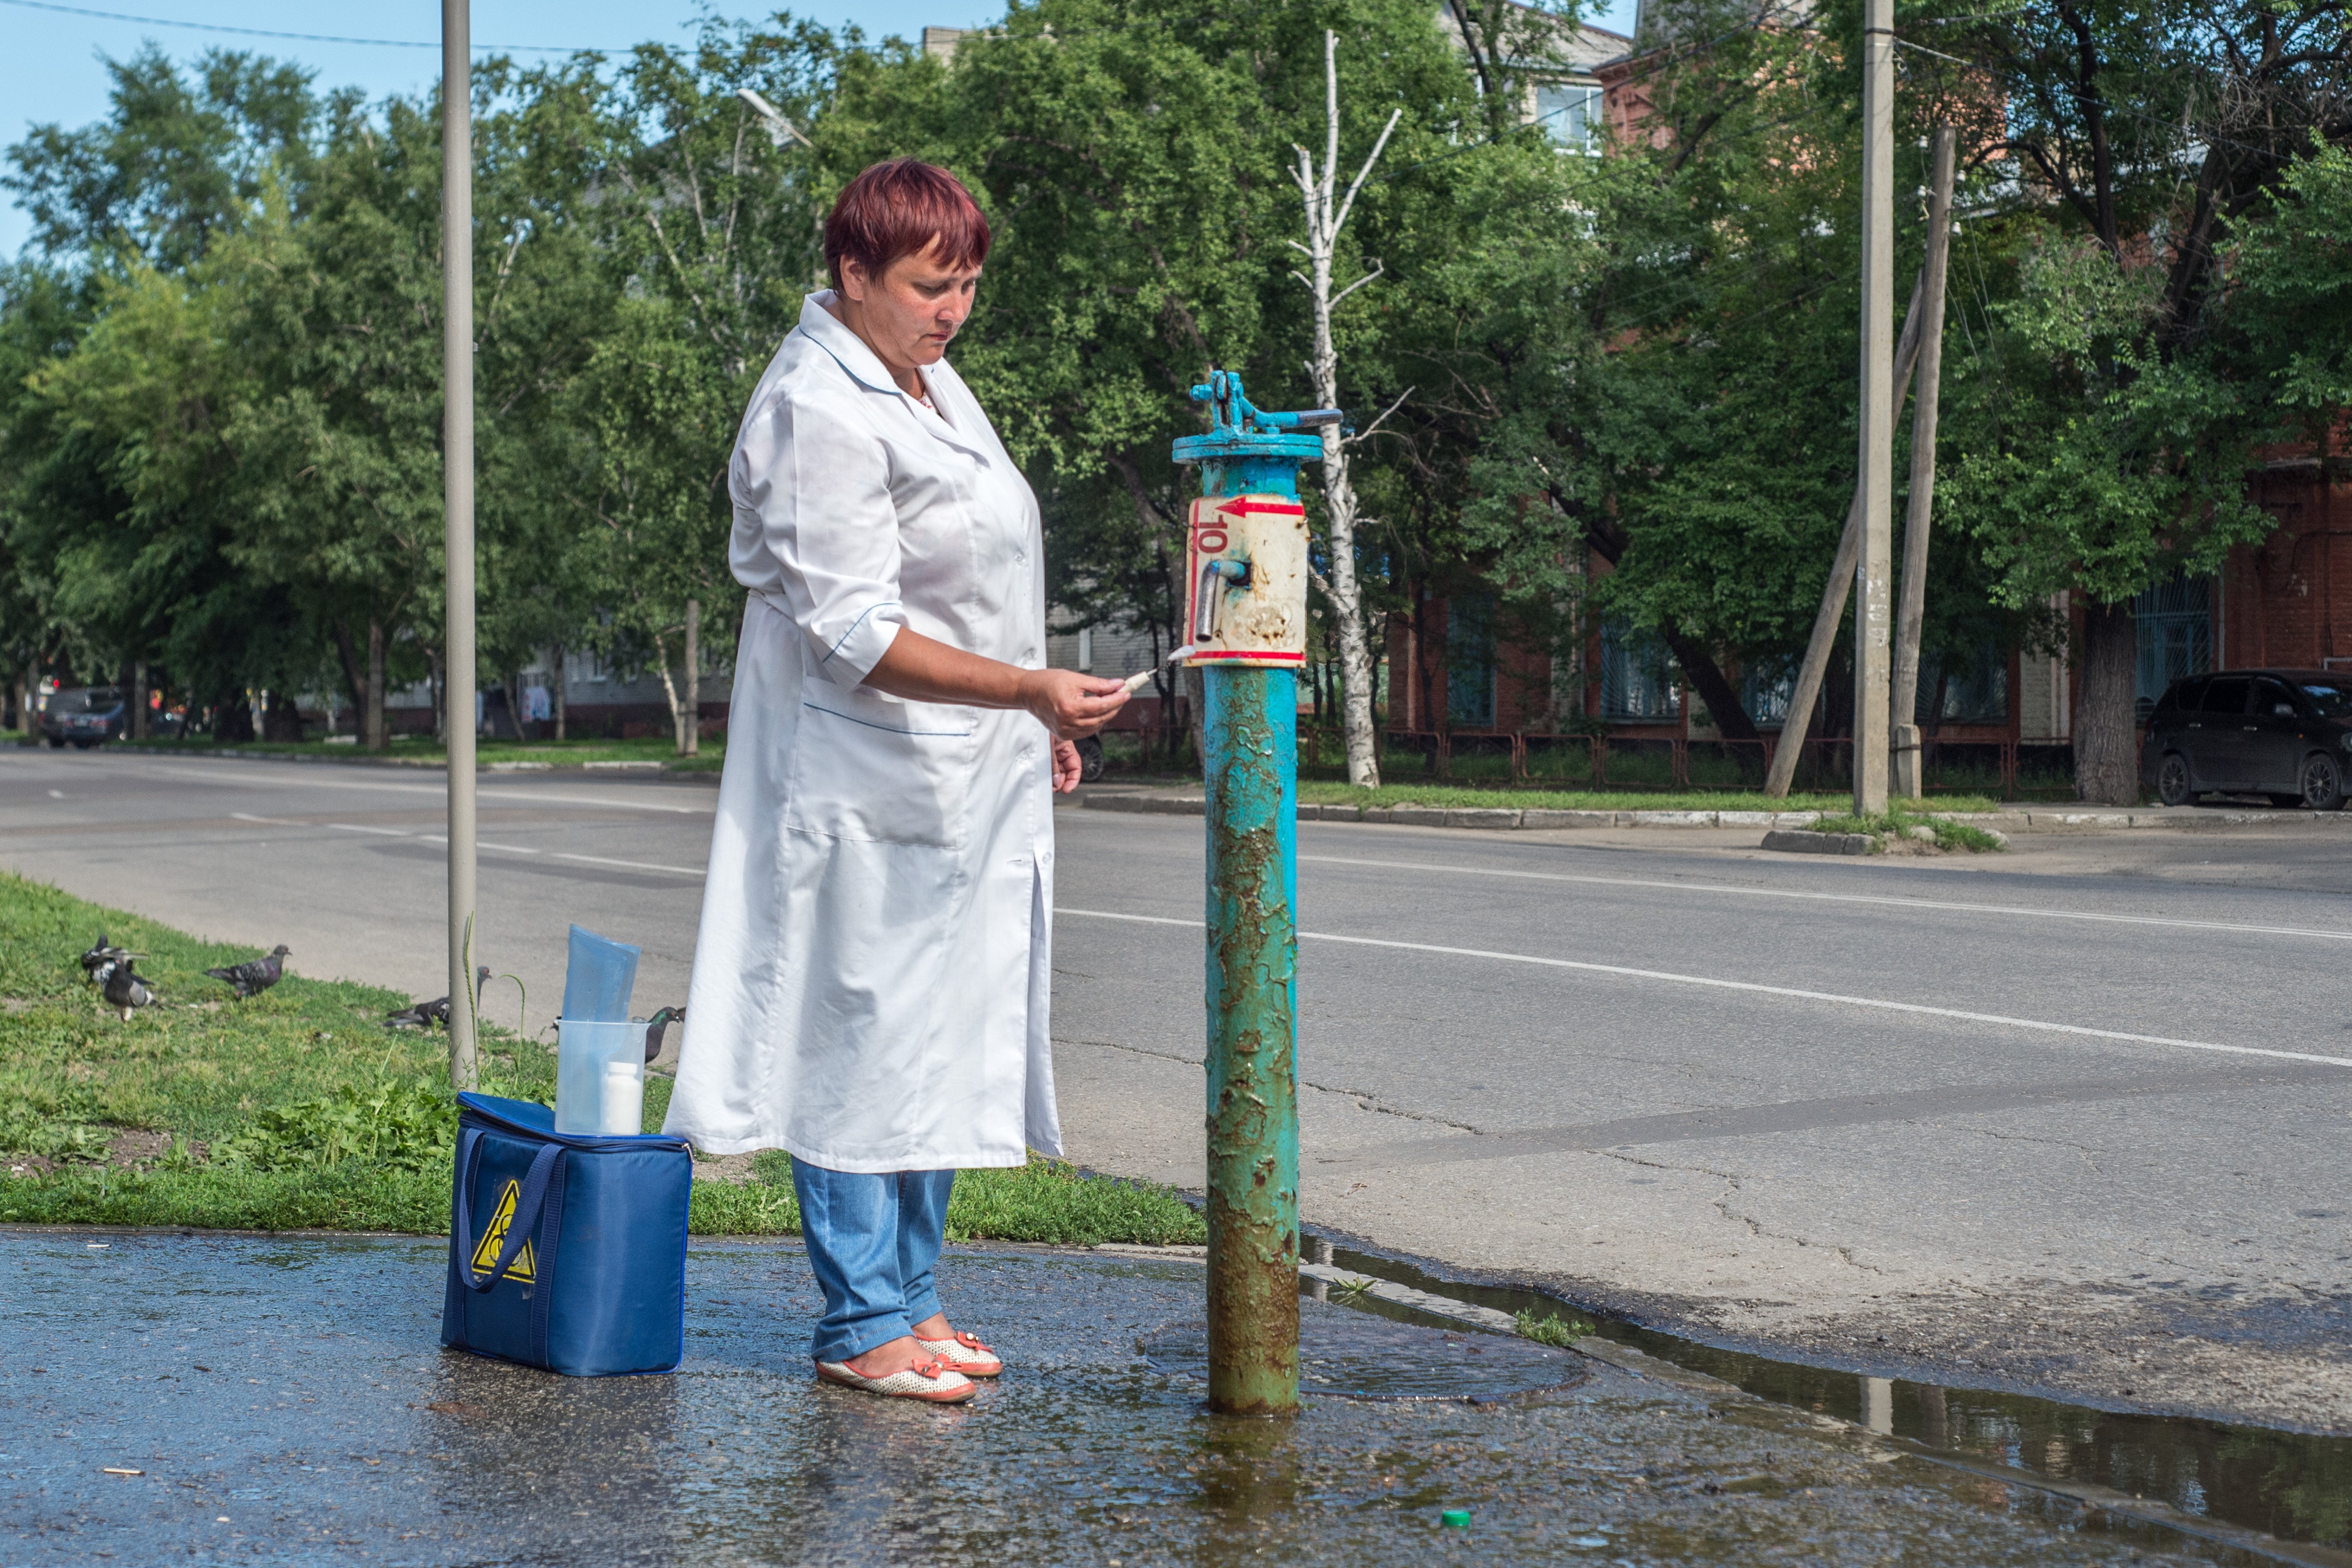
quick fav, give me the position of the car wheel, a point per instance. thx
(2323, 782)
(1090, 760)
(2172, 780)
(56, 742)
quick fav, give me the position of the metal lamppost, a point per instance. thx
(457, 493)
(1247, 619)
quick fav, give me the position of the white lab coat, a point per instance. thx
(872, 975)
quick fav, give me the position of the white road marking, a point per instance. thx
(635, 865)
(496, 797)
(501, 849)
(56, 795)
(1789, 990)
(1880, 899)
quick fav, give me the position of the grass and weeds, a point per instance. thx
(426, 752)
(297, 1110)
(1332, 792)
(1903, 821)
(1045, 1200)
(1553, 1328)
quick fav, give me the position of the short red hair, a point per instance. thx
(902, 208)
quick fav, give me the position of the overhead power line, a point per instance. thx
(302, 37)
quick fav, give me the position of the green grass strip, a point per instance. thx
(296, 1110)
(1328, 793)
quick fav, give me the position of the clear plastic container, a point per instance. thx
(600, 1076)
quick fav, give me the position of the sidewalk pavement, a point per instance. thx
(253, 1399)
(2039, 818)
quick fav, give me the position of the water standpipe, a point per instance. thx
(1247, 565)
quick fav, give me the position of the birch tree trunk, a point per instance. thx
(1324, 222)
(689, 732)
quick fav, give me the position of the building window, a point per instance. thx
(1638, 678)
(1766, 689)
(2175, 621)
(1470, 659)
(1570, 116)
(1964, 689)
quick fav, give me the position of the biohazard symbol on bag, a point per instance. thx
(486, 1256)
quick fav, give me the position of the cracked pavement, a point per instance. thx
(1985, 1121)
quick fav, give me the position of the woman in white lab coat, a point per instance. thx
(872, 975)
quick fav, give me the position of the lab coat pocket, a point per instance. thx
(874, 768)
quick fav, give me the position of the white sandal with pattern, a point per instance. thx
(934, 1381)
(966, 1354)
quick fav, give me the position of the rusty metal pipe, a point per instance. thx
(1249, 730)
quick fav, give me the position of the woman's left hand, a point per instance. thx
(1067, 769)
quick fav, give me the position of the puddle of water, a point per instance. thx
(2294, 1487)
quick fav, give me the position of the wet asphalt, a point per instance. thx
(286, 1400)
(2062, 1121)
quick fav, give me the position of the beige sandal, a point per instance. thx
(966, 1354)
(934, 1381)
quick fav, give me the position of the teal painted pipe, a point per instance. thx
(1249, 732)
(1249, 728)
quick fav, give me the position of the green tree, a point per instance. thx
(2110, 439)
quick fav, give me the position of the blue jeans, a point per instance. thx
(872, 1240)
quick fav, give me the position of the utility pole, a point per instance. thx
(1873, 611)
(1903, 713)
(458, 496)
(1834, 592)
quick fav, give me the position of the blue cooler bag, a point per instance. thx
(567, 1251)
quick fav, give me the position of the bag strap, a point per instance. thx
(529, 1206)
(550, 1229)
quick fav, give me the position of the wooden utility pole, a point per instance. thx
(458, 496)
(1833, 594)
(1873, 610)
(1904, 712)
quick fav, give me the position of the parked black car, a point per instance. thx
(89, 717)
(2285, 733)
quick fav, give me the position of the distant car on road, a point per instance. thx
(88, 717)
(2285, 733)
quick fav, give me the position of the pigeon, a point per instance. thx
(125, 990)
(255, 975)
(420, 1014)
(657, 1025)
(99, 961)
(424, 1015)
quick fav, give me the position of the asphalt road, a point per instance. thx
(2064, 1118)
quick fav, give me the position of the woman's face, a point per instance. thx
(910, 313)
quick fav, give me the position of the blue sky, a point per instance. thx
(51, 68)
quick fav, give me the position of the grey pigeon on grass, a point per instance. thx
(255, 975)
(101, 959)
(657, 1025)
(426, 1015)
(125, 990)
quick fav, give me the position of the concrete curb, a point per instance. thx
(1490, 818)
(1533, 820)
(1797, 842)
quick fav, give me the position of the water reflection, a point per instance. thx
(1878, 1406)
(1247, 1478)
(2291, 1485)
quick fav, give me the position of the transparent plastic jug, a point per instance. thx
(600, 1076)
(598, 977)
